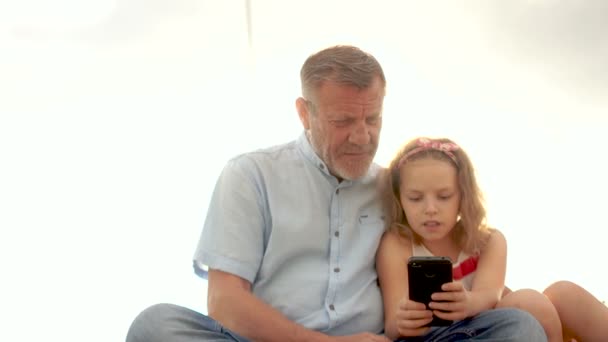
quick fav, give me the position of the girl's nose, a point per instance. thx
(430, 207)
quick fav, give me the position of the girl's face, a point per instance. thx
(430, 197)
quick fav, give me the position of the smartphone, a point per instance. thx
(425, 277)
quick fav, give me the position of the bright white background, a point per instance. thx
(116, 117)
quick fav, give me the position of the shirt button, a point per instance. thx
(337, 234)
(322, 166)
(337, 269)
(337, 191)
(332, 307)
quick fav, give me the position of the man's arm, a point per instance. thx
(231, 303)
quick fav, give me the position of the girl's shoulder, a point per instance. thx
(392, 241)
(495, 233)
(494, 239)
(394, 236)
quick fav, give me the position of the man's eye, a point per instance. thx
(342, 122)
(373, 120)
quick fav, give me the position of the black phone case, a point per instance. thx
(425, 277)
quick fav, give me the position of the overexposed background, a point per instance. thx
(116, 117)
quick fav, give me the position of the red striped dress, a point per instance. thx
(463, 269)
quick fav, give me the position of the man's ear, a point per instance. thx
(303, 113)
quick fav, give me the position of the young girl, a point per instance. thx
(436, 208)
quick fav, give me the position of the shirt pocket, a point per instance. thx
(366, 220)
(371, 227)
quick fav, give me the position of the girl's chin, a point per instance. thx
(432, 235)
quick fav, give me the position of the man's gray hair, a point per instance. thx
(342, 64)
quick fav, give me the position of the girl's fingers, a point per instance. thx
(411, 305)
(454, 296)
(413, 323)
(447, 306)
(451, 316)
(453, 286)
(415, 314)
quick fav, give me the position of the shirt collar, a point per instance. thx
(310, 154)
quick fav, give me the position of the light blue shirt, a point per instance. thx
(305, 241)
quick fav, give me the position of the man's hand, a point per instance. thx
(412, 318)
(363, 337)
(452, 304)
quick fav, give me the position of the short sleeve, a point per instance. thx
(232, 239)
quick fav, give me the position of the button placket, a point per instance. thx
(334, 255)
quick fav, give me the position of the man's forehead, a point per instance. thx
(330, 86)
(352, 102)
(354, 112)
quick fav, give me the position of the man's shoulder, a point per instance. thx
(264, 159)
(270, 152)
(376, 169)
(374, 173)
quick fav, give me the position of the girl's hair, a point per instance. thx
(471, 231)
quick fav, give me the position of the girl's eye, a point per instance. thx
(415, 199)
(445, 197)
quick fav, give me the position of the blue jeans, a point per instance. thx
(503, 324)
(172, 323)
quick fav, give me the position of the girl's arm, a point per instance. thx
(391, 264)
(489, 279)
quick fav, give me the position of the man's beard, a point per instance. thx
(345, 170)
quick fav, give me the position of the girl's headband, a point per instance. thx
(424, 144)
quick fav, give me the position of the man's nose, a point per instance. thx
(361, 134)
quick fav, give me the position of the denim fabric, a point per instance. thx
(505, 325)
(173, 323)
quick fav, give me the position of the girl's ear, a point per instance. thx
(303, 112)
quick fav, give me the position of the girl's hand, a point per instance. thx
(452, 304)
(412, 318)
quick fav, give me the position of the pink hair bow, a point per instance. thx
(424, 144)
